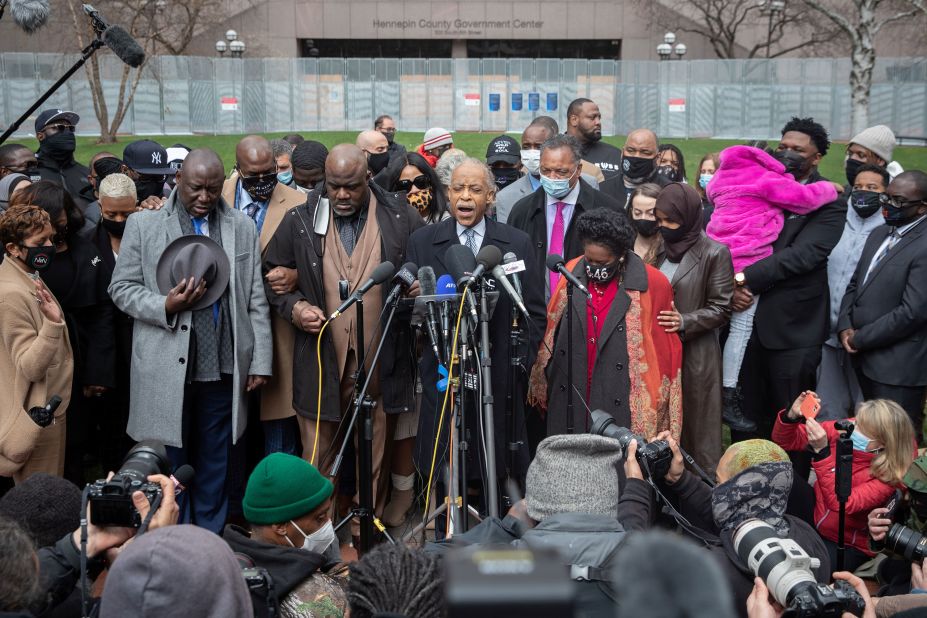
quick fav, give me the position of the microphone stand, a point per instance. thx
(489, 430)
(363, 406)
(843, 484)
(515, 363)
(569, 291)
(85, 54)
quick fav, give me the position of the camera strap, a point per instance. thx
(708, 539)
(84, 590)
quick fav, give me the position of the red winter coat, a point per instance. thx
(868, 492)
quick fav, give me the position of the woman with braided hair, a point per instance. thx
(397, 580)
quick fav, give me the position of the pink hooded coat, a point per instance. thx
(750, 190)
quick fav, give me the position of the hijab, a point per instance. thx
(681, 204)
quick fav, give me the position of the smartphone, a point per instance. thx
(893, 504)
(810, 407)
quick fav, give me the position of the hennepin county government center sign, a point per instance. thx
(457, 27)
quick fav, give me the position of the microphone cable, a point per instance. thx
(318, 407)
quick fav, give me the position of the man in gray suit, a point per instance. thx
(191, 370)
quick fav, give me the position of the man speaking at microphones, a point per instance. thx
(340, 238)
(470, 193)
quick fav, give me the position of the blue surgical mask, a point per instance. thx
(860, 440)
(285, 177)
(703, 180)
(555, 187)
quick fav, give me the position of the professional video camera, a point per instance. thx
(111, 501)
(786, 568)
(906, 542)
(654, 457)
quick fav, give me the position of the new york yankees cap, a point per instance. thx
(147, 157)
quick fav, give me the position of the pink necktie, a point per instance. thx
(556, 242)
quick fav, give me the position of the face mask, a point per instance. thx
(319, 540)
(531, 159)
(60, 146)
(897, 217)
(645, 227)
(260, 188)
(669, 172)
(794, 163)
(860, 440)
(672, 236)
(421, 201)
(555, 187)
(852, 168)
(703, 180)
(602, 274)
(376, 163)
(505, 176)
(636, 168)
(285, 177)
(148, 188)
(865, 203)
(39, 258)
(114, 228)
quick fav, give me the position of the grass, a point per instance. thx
(474, 144)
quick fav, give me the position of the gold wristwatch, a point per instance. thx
(740, 279)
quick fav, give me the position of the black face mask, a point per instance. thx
(865, 203)
(39, 258)
(59, 147)
(505, 176)
(260, 188)
(637, 168)
(794, 163)
(389, 137)
(114, 228)
(602, 274)
(669, 172)
(147, 188)
(672, 236)
(645, 227)
(376, 163)
(852, 168)
(899, 217)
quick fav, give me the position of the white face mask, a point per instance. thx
(319, 540)
(531, 159)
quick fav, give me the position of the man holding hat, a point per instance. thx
(54, 128)
(190, 275)
(437, 140)
(146, 163)
(287, 505)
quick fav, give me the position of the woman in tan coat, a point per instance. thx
(35, 360)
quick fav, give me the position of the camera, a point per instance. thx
(654, 457)
(906, 542)
(111, 501)
(786, 568)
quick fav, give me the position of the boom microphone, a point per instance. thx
(555, 264)
(426, 279)
(116, 38)
(380, 274)
(30, 15)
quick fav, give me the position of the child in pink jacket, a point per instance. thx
(750, 192)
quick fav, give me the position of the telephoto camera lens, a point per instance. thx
(654, 457)
(906, 542)
(111, 501)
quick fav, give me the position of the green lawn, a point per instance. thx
(475, 144)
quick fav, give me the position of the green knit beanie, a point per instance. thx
(283, 487)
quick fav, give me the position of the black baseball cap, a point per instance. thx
(505, 149)
(147, 157)
(50, 115)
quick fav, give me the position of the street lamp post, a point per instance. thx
(234, 45)
(772, 8)
(666, 49)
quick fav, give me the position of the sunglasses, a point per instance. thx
(887, 200)
(61, 128)
(420, 182)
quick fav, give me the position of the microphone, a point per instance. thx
(446, 285)
(380, 274)
(183, 478)
(426, 278)
(116, 38)
(44, 415)
(499, 274)
(460, 263)
(511, 258)
(488, 258)
(30, 15)
(402, 280)
(555, 264)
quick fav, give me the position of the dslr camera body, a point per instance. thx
(111, 501)
(786, 569)
(654, 457)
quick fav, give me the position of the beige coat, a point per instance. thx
(36, 363)
(276, 395)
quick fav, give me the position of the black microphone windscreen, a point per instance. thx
(383, 272)
(460, 261)
(553, 261)
(30, 15)
(124, 46)
(489, 256)
(184, 475)
(406, 274)
(427, 281)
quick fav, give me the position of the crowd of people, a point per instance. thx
(208, 313)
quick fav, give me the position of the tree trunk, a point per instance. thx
(863, 61)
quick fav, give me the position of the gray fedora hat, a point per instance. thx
(197, 256)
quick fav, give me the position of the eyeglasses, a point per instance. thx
(420, 182)
(887, 200)
(259, 176)
(61, 128)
